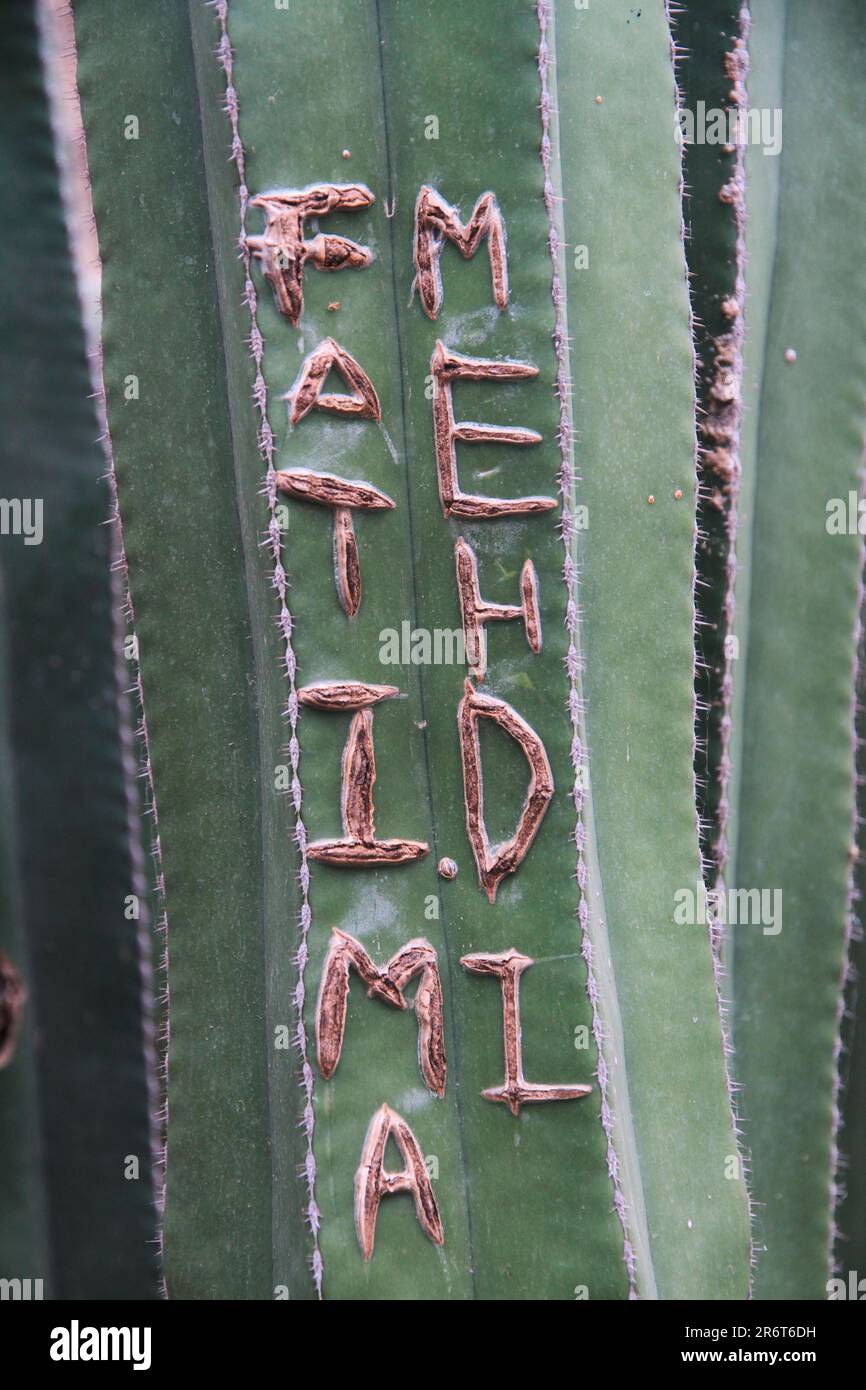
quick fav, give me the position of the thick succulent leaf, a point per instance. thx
(628, 318)
(798, 595)
(259, 1142)
(74, 1103)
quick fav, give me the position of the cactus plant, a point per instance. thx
(604, 968)
(425, 367)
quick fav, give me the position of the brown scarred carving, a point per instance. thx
(494, 864)
(373, 1182)
(330, 491)
(307, 394)
(447, 367)
(417, 958)
(341, 495)
(359, 775)
(347, 563)
(358, 847)
(384, 854)
(508, 966)
(12, 996)
(341, 695)
(436, 220)
(476, 611)
(283, 249)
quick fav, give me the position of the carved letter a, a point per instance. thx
(372, 1182)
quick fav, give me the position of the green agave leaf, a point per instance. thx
(393, 97)
(74, 1099)
(628, 317)
(797, 598)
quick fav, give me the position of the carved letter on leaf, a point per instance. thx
(283, 249)
(494, 864)
(342, 496)
(447, 367)
(359, 847)
(372, 1182)
(340, 695)
(307, 390)
(475, 611)
(416, 958)
(515, 1091)
(434, 221)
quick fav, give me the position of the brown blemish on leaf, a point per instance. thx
(13, 993)
(447, 367)
(508, 966)
(475, 611)
(306, 393)
(719, 425)
(506, 858)
(416, 958)
(447, 868)
(373, 1182)
(436, 220)
(283, 250)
